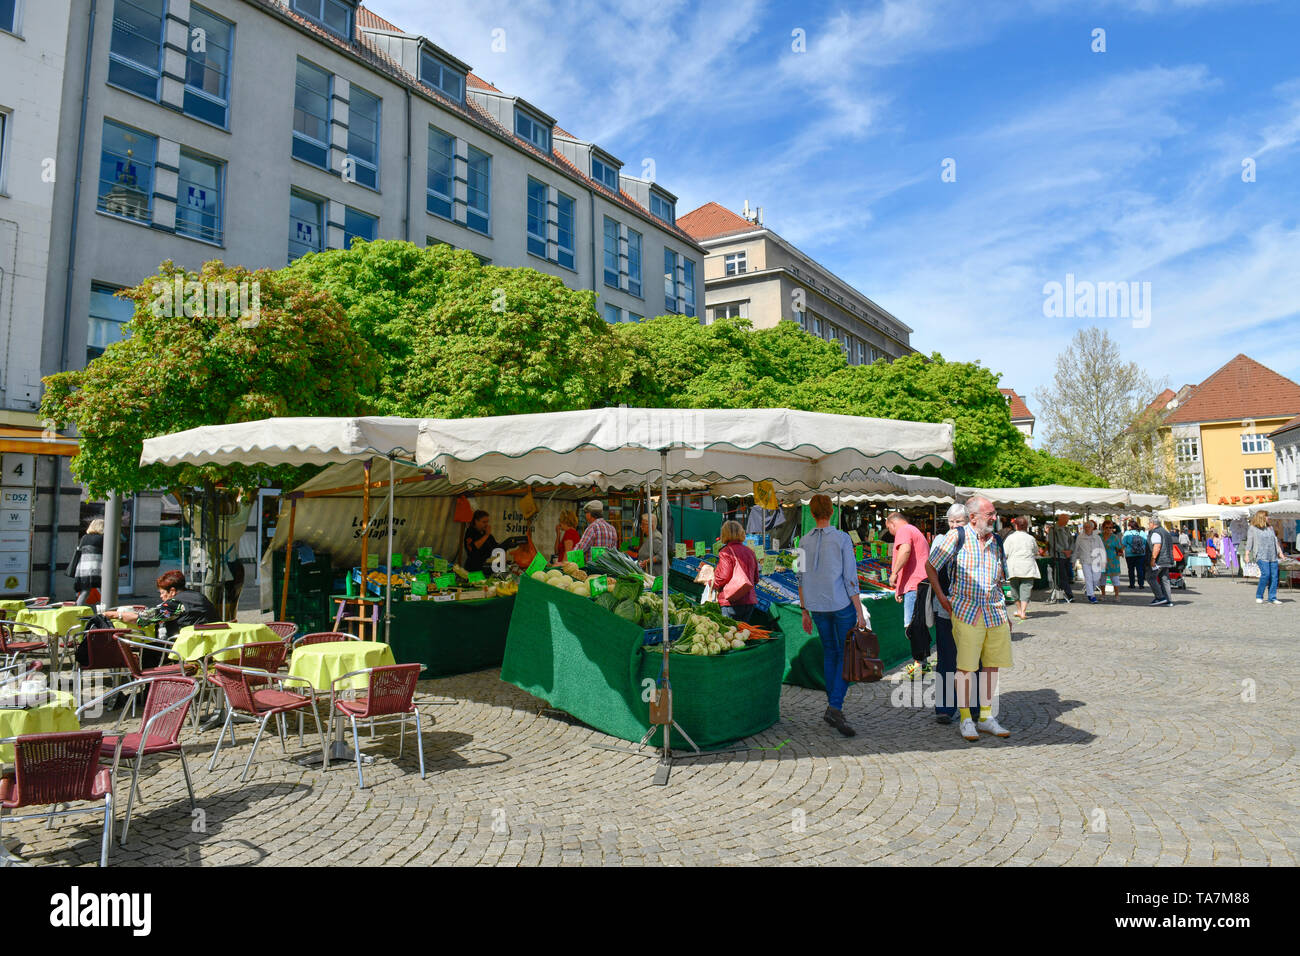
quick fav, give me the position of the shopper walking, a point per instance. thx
(1135, 554)
(1090, 552)
(980, 627)
(1022, 564)
(907, 571)
(1160, 545)
(1060, 547)
(736, 574)
(1264, 549)
(945, 696)
(1114, 548)
(829, 597)
(87, 564)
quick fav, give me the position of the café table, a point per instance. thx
(55, 711)
(193, 645)
(54, 619)
(10, 608)
(322, 663)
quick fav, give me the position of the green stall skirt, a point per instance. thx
(803, 652)
(450, 637)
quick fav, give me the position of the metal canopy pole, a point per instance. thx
(388, 596)
(288, 561)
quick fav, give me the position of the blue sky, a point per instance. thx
(1122, 166)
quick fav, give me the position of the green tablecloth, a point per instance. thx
(191, 645)
(57, 619)
(585, 661)
(322, 663)
(57, 716)
(451, 637)
(803, 652)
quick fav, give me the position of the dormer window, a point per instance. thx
(534, 130)
(437, 74)
(334, 15)
(663, 209)
(604, 173)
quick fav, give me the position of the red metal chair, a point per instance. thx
(166, 704)
(285, 629)
(324, 637)
(12, 643)
(19, 671)
(51, 769)
(247, 696)
(103, 653)
(390, 697)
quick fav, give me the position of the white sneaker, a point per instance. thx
(1275, 601)
(1259, 600)
(967, 729)
(991, 726)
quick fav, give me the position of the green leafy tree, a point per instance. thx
(183, 365)
(457, 338)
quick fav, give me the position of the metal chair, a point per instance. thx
(103, 653)
(285, 629)
(12, 644)
(52, 769)
(18, 671)
(390, 697)
(243, 697)
(323, 637)
(166, 704)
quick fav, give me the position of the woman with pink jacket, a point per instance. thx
(736, 574)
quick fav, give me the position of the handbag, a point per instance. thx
(862, 663)
(72, 565)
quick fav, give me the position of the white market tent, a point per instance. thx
(1048, 498)
(1191, 512)
(1284, 508)
(286, 441)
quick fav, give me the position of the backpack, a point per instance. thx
(1135, 544)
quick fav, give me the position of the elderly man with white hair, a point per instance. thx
(980, 627)
(945, 697)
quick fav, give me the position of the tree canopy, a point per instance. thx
(198, 360)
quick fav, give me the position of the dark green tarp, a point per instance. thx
(451, 637)
(587, 662)
(803, 652)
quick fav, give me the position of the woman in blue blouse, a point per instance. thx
(829, 597)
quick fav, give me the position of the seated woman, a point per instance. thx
(479, 543)
(180, 607)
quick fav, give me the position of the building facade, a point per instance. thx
(750, 272)
(1021, 416)
(1219, 432)
(256, 131)
(1286, 447)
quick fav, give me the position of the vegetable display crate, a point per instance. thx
(450, 637)
(587, 662)
(804, 658)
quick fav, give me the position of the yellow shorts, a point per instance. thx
(977, 644)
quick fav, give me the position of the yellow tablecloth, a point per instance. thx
(192, 645)
(11, 608)
(57, 619)
(321, 663)
(57, 716)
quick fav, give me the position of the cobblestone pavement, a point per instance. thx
(1140, 736)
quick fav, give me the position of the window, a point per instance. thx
(441, 76)
(1190, 486)
(613, 313)
(478, 213)
(358, 225)
(126, 172)
(207, 71)
(1255, 444)
(670, 282)
(817, 326)
(688, 285)
(661, 208)
(862, 352)
(333, 15)
(633, 317)
(306, 224)
(311, 115)
(135, 51)
(1187, 449)
(363, 136)
(532, 129)
(604, 174)
(536, 218)
(729, 310)
(611, 252)
(4, 144)
(733, 264)
(9, 15)
(634, 262)
(442, 150)
(108, 318)
(198, 197)
(564, 215)
(1259, 478)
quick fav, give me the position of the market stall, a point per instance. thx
(565, 650)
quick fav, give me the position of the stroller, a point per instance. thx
(1176, 572)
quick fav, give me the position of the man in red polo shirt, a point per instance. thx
(907, 572)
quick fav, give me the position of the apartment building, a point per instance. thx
(1021, 416)
(750, 272)
(1220, 431)
(257, 131)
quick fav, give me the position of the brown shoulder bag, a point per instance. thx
(862, 662)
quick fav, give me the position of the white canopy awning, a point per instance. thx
(285, 441)
(1048, 497)
(776, 444)
(1285, 508)
(1190, 512)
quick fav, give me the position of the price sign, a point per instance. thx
(597, 583)
(422, 577)
(699, 549)
(426, 552)
(420, 587)
(398, 561)
(475, 577)
(445, 581)
(681, 549)
(597, 552)
(535, 565)
(372, 562)
(769, 563)
(857, 551)
(439, 565)
(855, 538)
(658, 585)
(577, 557)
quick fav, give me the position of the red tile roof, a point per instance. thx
(712, 220)
(1159, 403)
(478, 83)
(1241, 389)
(1017, 405)
(370, 20)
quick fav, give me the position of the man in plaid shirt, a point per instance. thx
(980, 627)
(599, 533)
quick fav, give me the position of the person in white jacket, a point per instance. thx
(1022, 564)
(1090, 551)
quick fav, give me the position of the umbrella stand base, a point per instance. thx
(665, 754)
